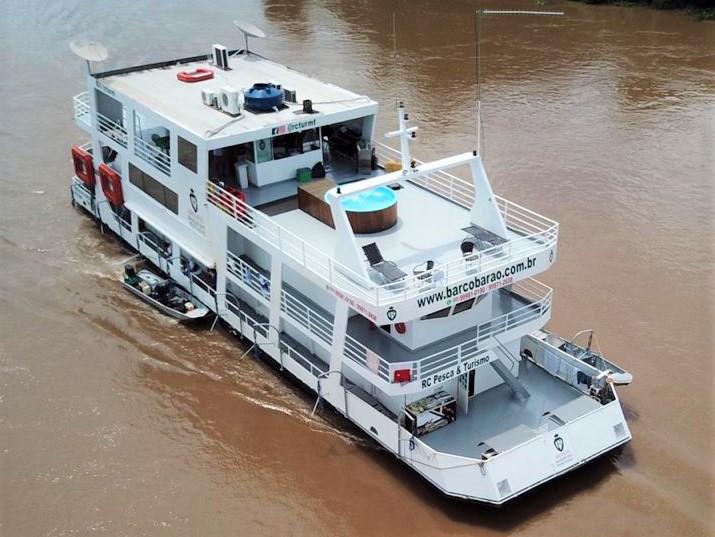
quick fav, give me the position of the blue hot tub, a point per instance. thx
(371, 211)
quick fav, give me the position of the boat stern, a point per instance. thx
(499, 476)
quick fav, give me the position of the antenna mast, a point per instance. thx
(480, 13)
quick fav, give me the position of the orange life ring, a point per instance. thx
(401, 328)
(83, 166)
(201, 73)
(111, 184)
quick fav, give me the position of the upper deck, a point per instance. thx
(156, 88)
(433, 209)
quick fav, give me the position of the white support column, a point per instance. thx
(406, 134)
(485, 211)
(276, 288)
(331, 389)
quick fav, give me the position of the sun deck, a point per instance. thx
(502, 421)
(157, 88)
(428, 228)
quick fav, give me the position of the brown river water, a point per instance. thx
(116, 421)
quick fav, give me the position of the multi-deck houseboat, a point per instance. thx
(400, 294)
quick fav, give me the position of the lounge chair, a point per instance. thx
(423, 272)
(388, 269)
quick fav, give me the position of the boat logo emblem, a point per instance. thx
(194, 201)
(391, 313)
(551, 256)
(558, 442)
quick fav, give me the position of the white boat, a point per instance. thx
(415, 328)
(546, 342)
(163, 294)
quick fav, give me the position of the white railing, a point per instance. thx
(247, 320)
(301, 360)
(153, 155)
(540, 296)
(315, 322)
(248, 274)
(112, 129)
(82, 112)
(357, 352)
(538, 233)
(201, 284)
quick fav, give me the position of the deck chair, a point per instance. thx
(388, 269)
(422, 271)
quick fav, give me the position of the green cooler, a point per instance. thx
(303, 175)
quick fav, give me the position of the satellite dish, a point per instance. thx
(248, 30)
(91, 51)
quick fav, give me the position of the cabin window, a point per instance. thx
(437, 314)
(154, 189)
(187, 154)
(463, 306)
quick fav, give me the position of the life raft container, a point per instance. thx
(83, 167)
(111, 184)
(201, 73)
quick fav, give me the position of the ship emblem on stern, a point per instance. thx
(558, 442)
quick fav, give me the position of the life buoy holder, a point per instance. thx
(400, 328)
(83, 166)
(111, 184)
(201, 73)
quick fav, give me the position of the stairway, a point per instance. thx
(509, 378)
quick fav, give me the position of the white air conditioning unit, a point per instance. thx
(230, 101)
(220, 54)
(209, 97)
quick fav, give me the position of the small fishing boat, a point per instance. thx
(163, 294)
(587, 355)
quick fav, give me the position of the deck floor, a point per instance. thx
(502, 420)
(428, 228)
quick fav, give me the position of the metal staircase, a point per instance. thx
(505, 373)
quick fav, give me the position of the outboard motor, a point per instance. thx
(129, 270)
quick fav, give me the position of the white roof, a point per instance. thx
(158, 89)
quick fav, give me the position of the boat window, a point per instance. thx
(229, 164)
(463, 306)
(186, 153)
(295, 143)
(437, 314)
(154, 189)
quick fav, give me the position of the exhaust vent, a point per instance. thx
(289, 96)
(220, 54)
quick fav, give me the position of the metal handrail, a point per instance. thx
(82, 111)
(152, 155)
(316, 323)
(248, 275)
(112, 129)
(465, 350)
